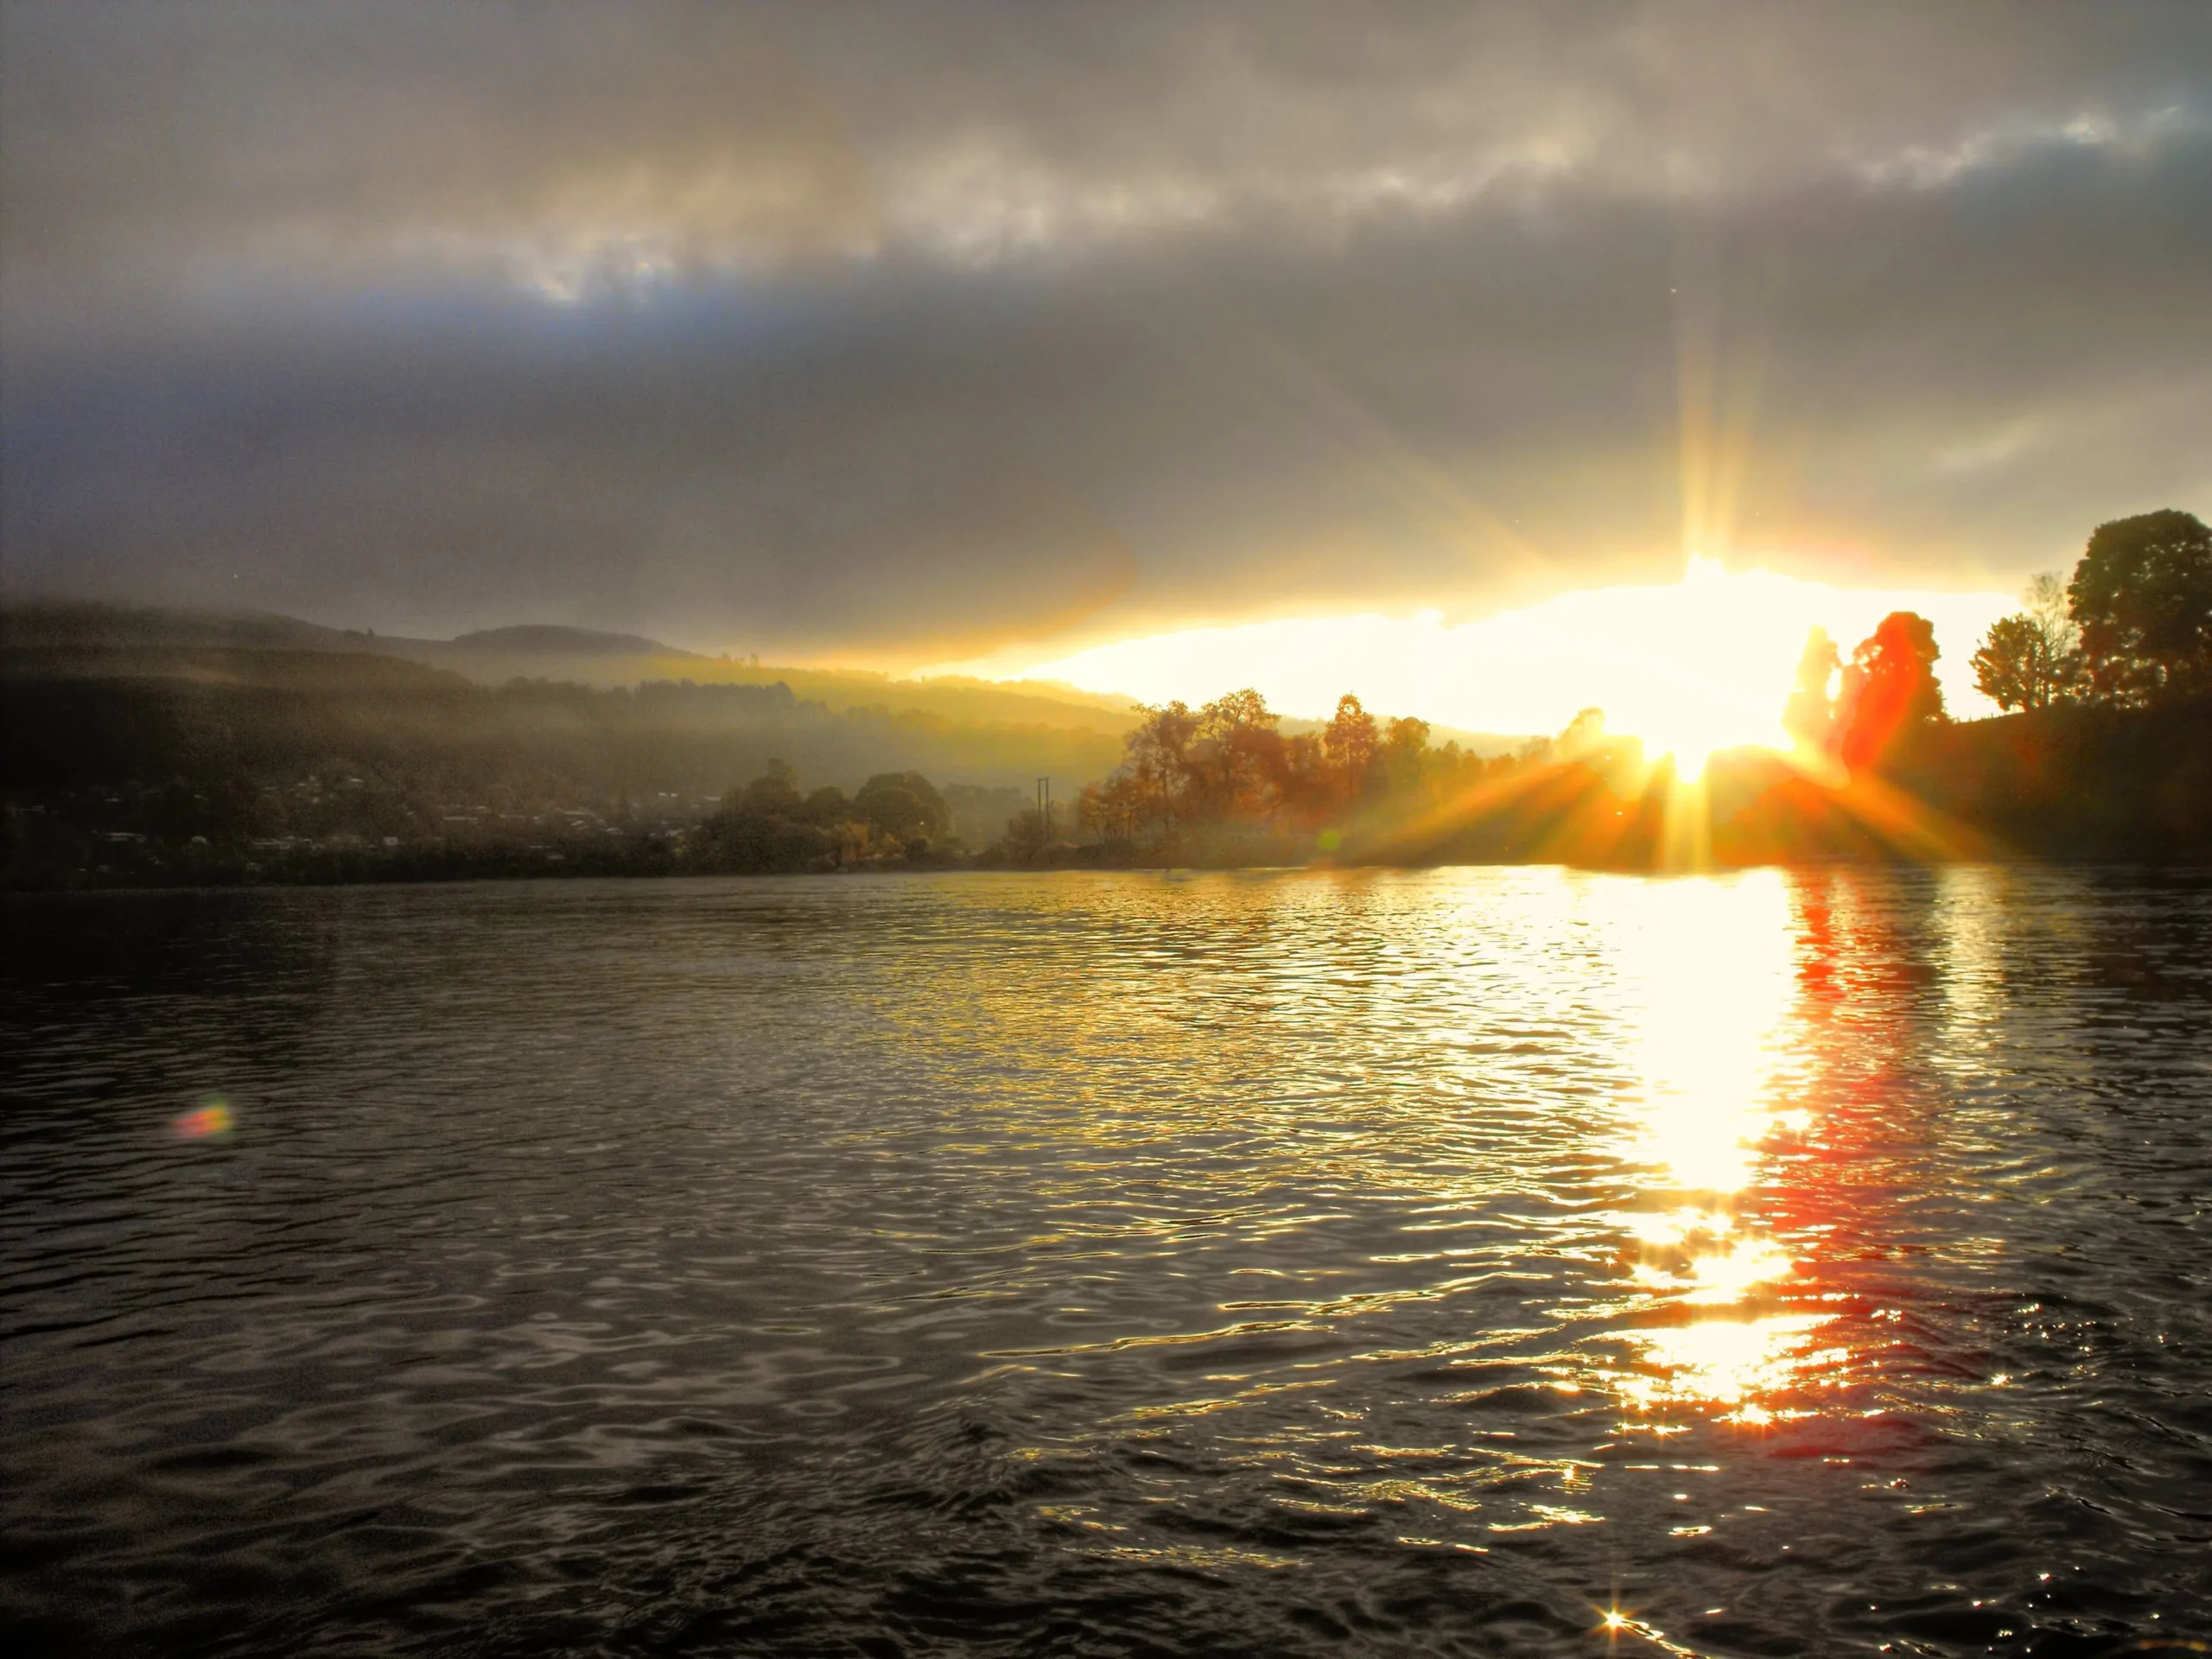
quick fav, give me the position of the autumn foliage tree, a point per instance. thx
(1888, 689)
(1405, 741)
(1228, 768)
(1351, 743)
(1239, 749)
(1153, 781)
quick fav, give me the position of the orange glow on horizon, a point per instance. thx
(1692, 668)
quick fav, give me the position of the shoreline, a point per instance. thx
(893, 872)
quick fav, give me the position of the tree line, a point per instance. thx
(252, 766)
(2133, 628)
(2129, 635)
(770, 825)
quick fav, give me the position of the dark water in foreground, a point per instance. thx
(1274, 1263)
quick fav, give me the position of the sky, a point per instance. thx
(1004, 335)
(1701, 663)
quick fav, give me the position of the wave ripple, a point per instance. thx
(1478, 1262)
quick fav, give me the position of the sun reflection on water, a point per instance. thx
(1708, 973)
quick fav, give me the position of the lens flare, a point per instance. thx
(211, 1120)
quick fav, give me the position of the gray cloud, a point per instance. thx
(916, 330)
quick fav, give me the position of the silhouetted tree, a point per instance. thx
(1890, 687)
(1228, 771)
(2010, 666)
(827, 804)
(1405, 744)
(774, 793)
(1105, 809)
(766, 825)
(1027, 837)
(2030, 659)
(903, 805)
(2142, 596)
(1587, 729)
(1351, 742)
(1159, 763)
(1237, 755)
(1306, 787)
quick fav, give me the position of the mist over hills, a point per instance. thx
(100, 696)
(153, 748)
(555, 638)
(152, 745)
(81, 638)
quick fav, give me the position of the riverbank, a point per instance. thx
(2069, 784)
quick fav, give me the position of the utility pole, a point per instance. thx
(1045, 806)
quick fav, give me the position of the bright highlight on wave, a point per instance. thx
(1691, 667)
(1709, 971)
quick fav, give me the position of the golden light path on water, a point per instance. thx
(1710, 968)
(1499, 1259)
(1708, 978)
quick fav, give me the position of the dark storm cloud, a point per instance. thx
(926, 329)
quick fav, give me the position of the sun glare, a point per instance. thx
(1731, 677)
(1691, 667)
(1709, 973)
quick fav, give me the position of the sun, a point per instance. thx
(1727, 674)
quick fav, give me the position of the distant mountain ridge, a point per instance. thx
(87, 625)
(84, 638)
(554, 638)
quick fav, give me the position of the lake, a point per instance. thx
(1469, 1261)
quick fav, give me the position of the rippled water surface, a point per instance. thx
(1783, 1263)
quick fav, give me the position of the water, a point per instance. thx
(1448, 1262)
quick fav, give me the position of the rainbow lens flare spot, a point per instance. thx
(211, 1120)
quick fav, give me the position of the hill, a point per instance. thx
(77, 637)
(141, 746)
